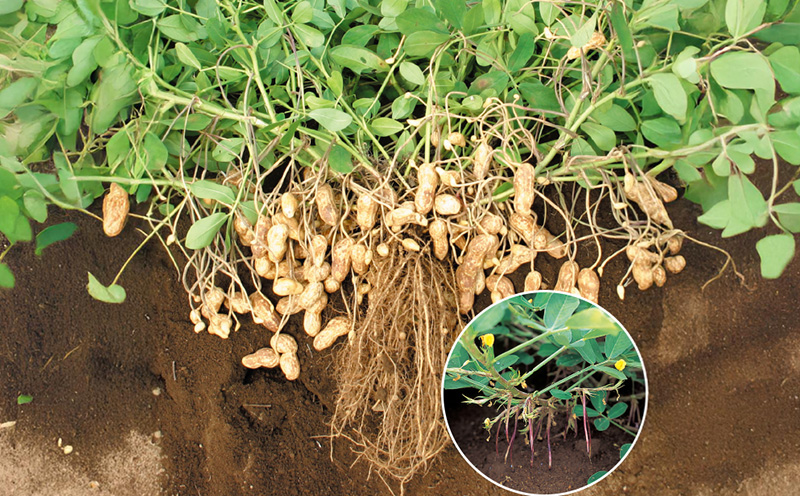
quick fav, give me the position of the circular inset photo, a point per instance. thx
(544, 393)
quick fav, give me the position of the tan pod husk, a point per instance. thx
(428, 181)
(290, 366)
(220, 325)
(642, 272)
(367, 212)
(500, 287)
(523, 188)
(238, 302)
(438, 232)
(289, 204)
(589, 284)
(675, 264)
(265, 357)
(277, 238)
(482, 161)
(533, 281)
(340, 259)
(517, 256)
(336, 328)
(447, 204)
(312, 323)
(567, 276)
(659, 276)
(264, 312)
(283, 343)
(288, 305)
(325, 205)
(116, 206)
(284, 286)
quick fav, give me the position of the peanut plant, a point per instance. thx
(588, 358)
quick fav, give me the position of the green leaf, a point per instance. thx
(109, 294)
(789, 215)
(6, 276)
(787, 145)
(616, 345)
(452, 10)
(559, 309)
(717, 216)
(310, 37)
(331, 119)
(669, 94)
(598, 401)
(111, 95)
(615, 118)
(505, 362)
(416, 20)
(24, 399)
(357, 59)
(359, 35)
(202, 232)
(745, 70)
(117, 148)
(423, 43)
(664, 132)
(150, 8)
(228, 149)
(620, 24)
(54, 234)
(180, 27)
(617, 411)
(303, 12)
(595, 319)
(522, 54)
(83, 61)
(624, 450)
(785, 63)
(581, 36)
(742, 16)
(12, 223)
(340, 160)
(612, 372)
(562, 395)
(601, 424)
(603, 137)
(776, 251)
(212, 190)
(590, 412)
(384, 126)
(685, 65)
(492, 10)
(412, 73)
(186, 56)
(597, 475)
(157, 153)
(15, 94)
(751, 208)
(35, 205)
(9, 6)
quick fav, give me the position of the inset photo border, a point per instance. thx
(544, 393)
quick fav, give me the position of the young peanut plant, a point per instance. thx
(588, 358)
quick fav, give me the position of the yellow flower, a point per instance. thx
(620, 365)
(487, 424)
(487, 340)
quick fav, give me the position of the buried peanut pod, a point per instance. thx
(396, 158)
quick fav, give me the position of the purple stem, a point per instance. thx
(513, 436)
(586, 425)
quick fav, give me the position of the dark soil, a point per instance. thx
(723, 367)
(571, 465)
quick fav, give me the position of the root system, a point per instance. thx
(389, 375)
